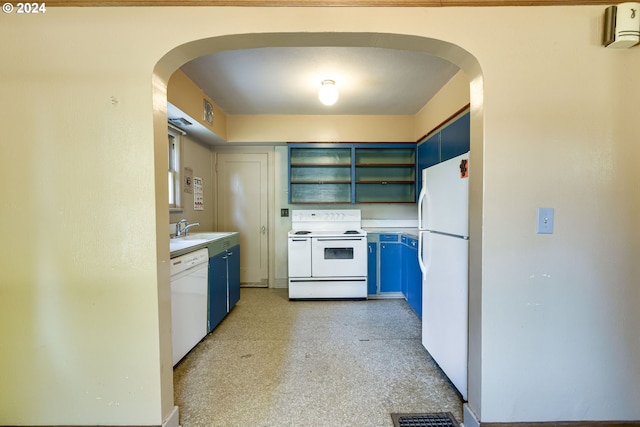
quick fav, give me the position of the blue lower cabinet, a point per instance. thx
(233, 275)
(390, 263)
(405, 263)
(372, 268)
(217, 289)
(224, 284)
(413, 276)
(394, 270)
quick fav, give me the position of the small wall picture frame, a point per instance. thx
(188, 181)
(198, 194)
(208, 111)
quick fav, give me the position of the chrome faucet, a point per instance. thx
(183, 226)
(179, 230)
(188, 226)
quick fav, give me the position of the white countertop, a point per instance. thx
(182, 245)
(413, 232)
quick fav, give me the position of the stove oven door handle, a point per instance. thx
(338, 240)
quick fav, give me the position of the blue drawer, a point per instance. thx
(388, 237)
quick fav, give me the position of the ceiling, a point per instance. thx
(285, 80)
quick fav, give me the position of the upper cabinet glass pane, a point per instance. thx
(385, 156)
(321, 156)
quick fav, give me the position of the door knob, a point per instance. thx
(263, 230)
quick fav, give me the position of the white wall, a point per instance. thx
(553, 125)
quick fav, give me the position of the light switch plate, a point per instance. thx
(545, 221)
(284, 212)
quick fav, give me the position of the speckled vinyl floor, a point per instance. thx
(275, 362)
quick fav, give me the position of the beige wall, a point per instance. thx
(453, 96)
(184, 94)
(196, 153)
(300, 128)
(198, 157)
(84, 277)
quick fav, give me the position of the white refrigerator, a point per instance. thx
(443, 255)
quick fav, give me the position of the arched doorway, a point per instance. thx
(453, 53)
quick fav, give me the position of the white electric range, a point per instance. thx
(327, 255)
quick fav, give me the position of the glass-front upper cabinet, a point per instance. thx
(385, 175)
(320, 175)
(352, 173)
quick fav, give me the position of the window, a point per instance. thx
(175, 162)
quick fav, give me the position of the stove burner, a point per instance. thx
(352, 232)
(302, 232)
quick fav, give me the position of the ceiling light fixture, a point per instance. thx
(328, 93)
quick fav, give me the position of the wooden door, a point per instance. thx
(242, 207)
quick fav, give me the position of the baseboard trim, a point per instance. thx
(469, 417)
(279, 284)
(564, 424)
(471, 420)
(173, 419)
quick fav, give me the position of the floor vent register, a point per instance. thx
(438, 419)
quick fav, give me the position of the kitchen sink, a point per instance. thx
(201, 236)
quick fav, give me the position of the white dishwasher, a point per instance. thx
(189, 290)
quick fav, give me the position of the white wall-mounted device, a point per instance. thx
(621, 25)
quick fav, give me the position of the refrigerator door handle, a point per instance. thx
(423, 194)
(423, 268)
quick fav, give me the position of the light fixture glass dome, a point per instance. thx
(328, 93)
